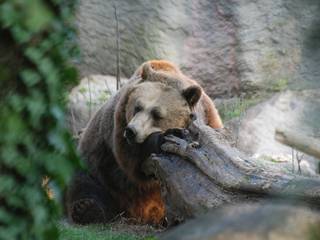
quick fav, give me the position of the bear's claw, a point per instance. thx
(175, 145)
(178, 146)
(178, 132)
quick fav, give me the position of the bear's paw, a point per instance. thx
(88, 210)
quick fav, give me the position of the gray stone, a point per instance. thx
(196, 35)
(279, 43)
(86, 98)
(199, 36)
(251, 222)
(293, 110)
(232, 46)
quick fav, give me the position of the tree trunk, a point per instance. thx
(198, 176)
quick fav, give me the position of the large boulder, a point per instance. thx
(251, 222)
(232, 46)
(278, 43)
(197, 35)
(299, 111)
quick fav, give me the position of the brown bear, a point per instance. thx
(168, 73)
(158, 98)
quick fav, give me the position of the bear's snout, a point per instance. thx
(130, 134)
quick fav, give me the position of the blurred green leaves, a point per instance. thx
(38, 16)
(37, 46)
(34, 16)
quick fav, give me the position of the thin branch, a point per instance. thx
(90, 97)
(74, 122)
(292, 159)
(118, 47)
(299, 158)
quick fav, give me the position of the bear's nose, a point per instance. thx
(130, 134)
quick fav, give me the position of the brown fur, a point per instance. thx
(148, 206)
(167, 72)
(115, 181)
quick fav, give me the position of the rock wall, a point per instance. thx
(197, 35)
(242, 51)
(279, 43)
(230, 46)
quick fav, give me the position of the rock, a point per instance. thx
(251, 222)
(297, 110)
(86, 98)
(232, 47)
(277, 43)
(197, 35)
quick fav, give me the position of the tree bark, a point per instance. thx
(197, 176)
(303, 143)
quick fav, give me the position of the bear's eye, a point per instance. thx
(156, 114)
(137, 109)
(193, 116)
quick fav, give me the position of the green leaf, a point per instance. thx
(38, 16)
(20, 34)
(34, 141)
(30, 77)
(34, 54)
(8, 15)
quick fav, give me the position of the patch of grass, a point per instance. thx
(275, 76)
(273, 159)
(82, 90)
(94, 232)
(279, 85)
(104, 96)
(236, 108)
(314, 232)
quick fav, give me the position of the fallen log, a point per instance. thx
(197, 176)
(303, 143)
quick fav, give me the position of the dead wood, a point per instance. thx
(199, 176)
(303, 143)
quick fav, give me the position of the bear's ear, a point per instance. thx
(146, 71)
(192, 94)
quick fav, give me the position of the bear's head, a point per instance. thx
(156, 107)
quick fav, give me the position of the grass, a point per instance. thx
(95, 232)
(236, 108)
(279, 85)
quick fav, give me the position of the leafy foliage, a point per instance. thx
(36, 46)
